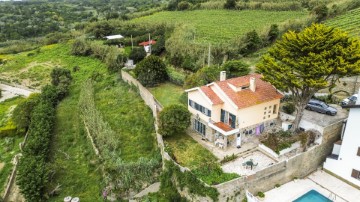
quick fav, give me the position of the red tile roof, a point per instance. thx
(146, 43)
(223, 126)
(264, 91)
(211, 95)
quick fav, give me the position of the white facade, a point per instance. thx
(345, 158)
(220, 120)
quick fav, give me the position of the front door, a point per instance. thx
(200, 127)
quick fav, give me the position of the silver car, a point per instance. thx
(350, 100)
(321, 107)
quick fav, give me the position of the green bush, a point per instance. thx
(151, 71)
(137, 54)
(176, 76)
(235, 68)
(261, 194)
(228, 158)
(202, 77)
(289, 108)
(174, 119)
(183, 5)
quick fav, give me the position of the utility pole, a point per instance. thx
(132, 44)
(209, 56)
(149, 44)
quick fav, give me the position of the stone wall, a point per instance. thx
(298, 166)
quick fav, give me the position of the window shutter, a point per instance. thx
(233, 120)
(190, 103)
(355, 174)
(222, 116)
(358, 153)
(209, 113)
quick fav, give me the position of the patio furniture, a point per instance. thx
(251, 164)
(255, 165)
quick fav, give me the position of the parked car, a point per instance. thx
(350, 100)
(321, 107)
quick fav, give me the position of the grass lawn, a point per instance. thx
(222, 25)
(5, 107)
(167, 93)
(202, 162)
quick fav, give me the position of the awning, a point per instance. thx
(223, 128)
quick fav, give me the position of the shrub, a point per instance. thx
(137, 54)
(321, 12)
(61, 78)
(22, 112)
(289, 108)
(175, 76)
(81, 47)
(183, 5)
(274, 33)
(230, 4)
(261, 194)
(235, 68)
(203, 76)
(228, 158)
(252, 43)
(151, 71)
(174, 119)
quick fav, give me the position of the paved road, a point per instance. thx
(11, 91)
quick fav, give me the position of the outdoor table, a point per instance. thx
(250, 163)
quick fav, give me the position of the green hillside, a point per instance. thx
(349, 22)
(222, 25)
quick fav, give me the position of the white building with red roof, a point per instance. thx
(225, 110)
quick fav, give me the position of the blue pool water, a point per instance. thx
(312, 196)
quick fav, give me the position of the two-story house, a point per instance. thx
(345, 158)
(225, 110)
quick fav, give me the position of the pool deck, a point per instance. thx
(322, 182)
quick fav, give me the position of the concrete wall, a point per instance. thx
(298, 166)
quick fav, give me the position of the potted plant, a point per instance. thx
(261, 196)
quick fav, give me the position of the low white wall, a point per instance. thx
(268, 151)
(293, 147)
(303, 123)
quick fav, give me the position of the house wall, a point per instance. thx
(255, 114)
(197, 97)
(348, 159)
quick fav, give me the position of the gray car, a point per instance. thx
(321, 107)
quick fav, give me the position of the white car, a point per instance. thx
(350, 100)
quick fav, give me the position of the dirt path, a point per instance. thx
(11, 91)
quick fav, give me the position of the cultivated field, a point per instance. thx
(349, 22)
(218, 26)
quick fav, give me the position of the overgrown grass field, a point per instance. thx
(9, 146)
(349, 22)
(216, 26)
(202, 162)
(73, 163)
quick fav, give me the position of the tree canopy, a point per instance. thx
(306, 62)
(173, 120)
(235, 68)
(151, 71)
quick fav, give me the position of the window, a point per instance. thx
(228, 118)
(200, 108)
(199, 127)
(355, 174)
(358, 153)
(275, 109)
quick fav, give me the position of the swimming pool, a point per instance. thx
(312, 196)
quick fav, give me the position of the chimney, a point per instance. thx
(222, 75)
(252, 84)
